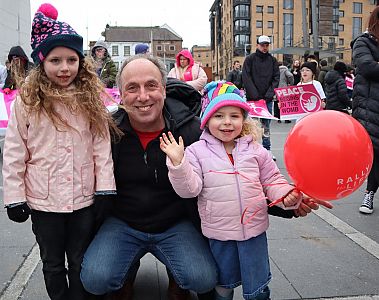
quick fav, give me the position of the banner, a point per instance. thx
(259, 110)
(297, 101)
(6, 102)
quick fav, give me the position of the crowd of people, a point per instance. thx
(156, 177)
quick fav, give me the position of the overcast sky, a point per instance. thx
(190, 19)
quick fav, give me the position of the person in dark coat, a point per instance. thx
(235, 75)
(105, 67)
(366, 98)
(260, 76)
(337, 97)
(19, 67)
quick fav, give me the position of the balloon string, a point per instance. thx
(243, 216)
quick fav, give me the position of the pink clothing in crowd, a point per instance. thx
(222, 198)
(54, 170)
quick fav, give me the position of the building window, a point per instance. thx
(342, 1)
(259, 23)
(341, 27)
(341, 13)
(114, 50)
(357, 7)
(126, 50)
(242, 11)
(341, 56)
(288, 4)
(270, 9)
(159, 47)
(259, 9)
(172, 47)
(335, 28)
(287, 30)
(270, 24)
(341, 42)
(242, 25)
(357, 26)
(241, 40)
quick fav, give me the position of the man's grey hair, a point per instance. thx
(155, 60)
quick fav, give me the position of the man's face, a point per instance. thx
(143, 94)
(264, 47)
(100, 52)
(237, 66)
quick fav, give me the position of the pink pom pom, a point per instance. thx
(48, 10)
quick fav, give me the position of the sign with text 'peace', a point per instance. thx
(297, 101)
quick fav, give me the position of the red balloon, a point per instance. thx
(328, 155)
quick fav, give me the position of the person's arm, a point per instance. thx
(342, 93)
(290, 78)
(112, 74)
(275, 81)
(15, 156)
(364, 60)
(229, 77)
(200, 78)
(102, 158)
(186, 182)
(250, 88)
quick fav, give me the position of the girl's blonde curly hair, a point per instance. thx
(39, 94)
(252, 127)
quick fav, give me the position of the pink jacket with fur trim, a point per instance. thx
(199, 77)
(222, 198)
(54, 171)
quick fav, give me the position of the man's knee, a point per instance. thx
(95, 281)
(200, 280)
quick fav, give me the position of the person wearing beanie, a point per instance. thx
(308, 73)
(324, 69)
(19, 67)
(57, 152)
(260, 76)
(141, 49)
(229, 171)
(188, 71)
(105, 66)
(337, 97)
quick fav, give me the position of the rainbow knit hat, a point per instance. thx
(218, 94)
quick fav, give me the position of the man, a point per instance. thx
(260, 76)
(148, 216)
(235, 75)
(105, 67)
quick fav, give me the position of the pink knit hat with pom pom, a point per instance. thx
(48, 33)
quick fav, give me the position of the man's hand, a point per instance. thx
(309, 204)
(173, 150)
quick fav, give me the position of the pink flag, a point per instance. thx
(259, 110)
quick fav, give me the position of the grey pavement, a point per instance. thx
(330, 254)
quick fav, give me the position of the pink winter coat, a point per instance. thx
(55, 171)
(199, 77)
(222, 198)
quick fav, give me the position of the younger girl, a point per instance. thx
(308, 73)
(57, 152)
(231, 173)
